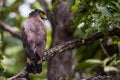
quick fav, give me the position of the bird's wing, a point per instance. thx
(28, 38)
(34, 36)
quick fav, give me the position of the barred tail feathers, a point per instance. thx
(31, 68)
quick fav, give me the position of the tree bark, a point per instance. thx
(60, 66)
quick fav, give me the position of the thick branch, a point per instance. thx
(10, 29)
(69, 45)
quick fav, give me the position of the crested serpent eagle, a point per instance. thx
(34, 40)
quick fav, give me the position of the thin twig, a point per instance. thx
(103, 48)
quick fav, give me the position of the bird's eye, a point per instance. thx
(43, 16)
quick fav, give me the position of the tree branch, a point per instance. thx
(10, 29)
(68, 45)
(22, 74)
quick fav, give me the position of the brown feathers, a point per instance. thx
(34, 41)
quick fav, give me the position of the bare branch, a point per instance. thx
(10, 29)
(68, 45)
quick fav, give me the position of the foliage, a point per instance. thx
(95, 16)
(109, 64)
(92, 16)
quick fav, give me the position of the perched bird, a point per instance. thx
(34, 40)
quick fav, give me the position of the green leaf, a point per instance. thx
(109, 60)
(103, 10)
(116, 4)
(75, 6)
(110, 69)
(94, 61)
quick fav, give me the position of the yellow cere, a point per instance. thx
(43, 15)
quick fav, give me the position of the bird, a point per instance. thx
(34, 40)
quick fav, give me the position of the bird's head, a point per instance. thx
(38, 12)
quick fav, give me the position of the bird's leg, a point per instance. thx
(34, 51)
